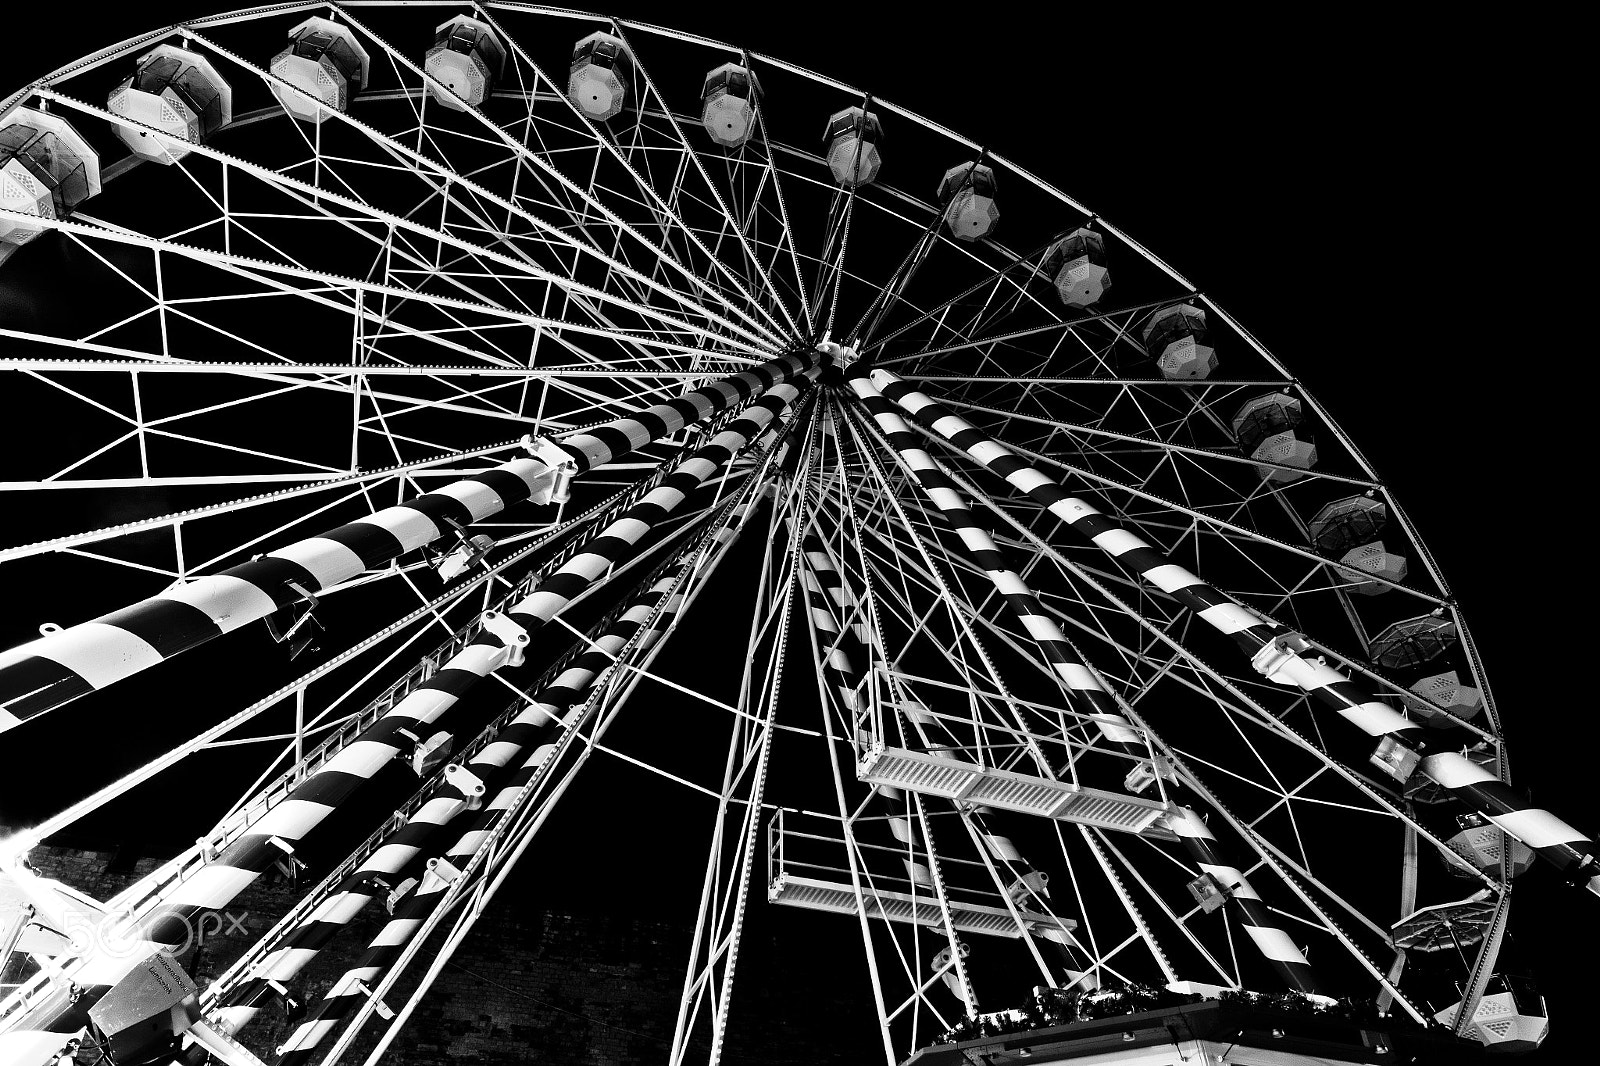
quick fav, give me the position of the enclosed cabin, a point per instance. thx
(46, 170)
(966, 193)
(600, 76)
(1076, 266)
(852, 141)
(465, 61)
(1446, 692)
(1347, 530)
(1359, 567)
(1481, 843)
(1348, 523)
(1177, 339)
(728, 104)
(1267, 429)
(1511, 1017)
(328, 66)
(177, 92)
(1412, 642)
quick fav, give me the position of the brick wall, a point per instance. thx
(580, 981)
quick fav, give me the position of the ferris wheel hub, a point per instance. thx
(836, 359)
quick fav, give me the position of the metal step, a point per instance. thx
(955, 779)
(810, 893)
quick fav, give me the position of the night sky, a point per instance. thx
(1366, 201)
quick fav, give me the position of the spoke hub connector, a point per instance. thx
(837, 361)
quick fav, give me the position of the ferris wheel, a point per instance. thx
(505, 395)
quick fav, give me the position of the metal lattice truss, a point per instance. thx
(602, 382)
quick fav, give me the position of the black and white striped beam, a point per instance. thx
(596, 447)
(1081, 684)
(617, 541)
(830, 607)
(533, 729)
(1275, 652)
(275, 835)
(63, 665)
(551, 714)
(1082, 688)
(1029, 881)
(833, 605)
(214, 885)
(278, 832)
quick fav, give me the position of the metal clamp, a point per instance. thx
(946, 958)
(383, 1010)
(1396, 759)
(1210, 893)
(1142, 776)
(512, 635)
(1027, 887)
(470, 551)
(561, 464)
(295, 623)
(469, 784)
(441, 874)
(398, 893)
(841, 355)
(289, 865)
(1278, 653)
(426, 755)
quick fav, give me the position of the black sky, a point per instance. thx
(1375, 202)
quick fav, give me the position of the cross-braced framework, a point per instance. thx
(1044, 630)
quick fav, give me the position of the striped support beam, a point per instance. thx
(532, 729)
(840, 599)
(904, 830)
(833, 595)
(1256, 917)
(1030, 881)
(831, 606)
(354, 985)
(61, 666)
(214, 885)
(596, 447)
(1082, 686)
(617, 541)
(1275, 652)
(827, 602)
(555, 705)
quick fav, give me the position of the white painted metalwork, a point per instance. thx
(297, 325)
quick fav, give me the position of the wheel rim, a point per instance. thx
(624, 247)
